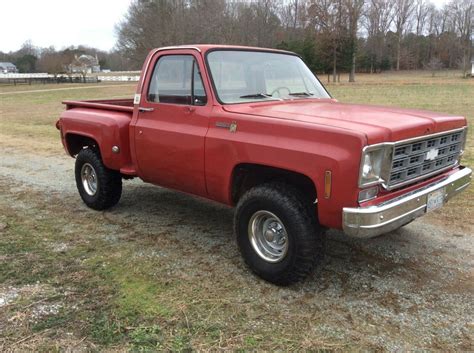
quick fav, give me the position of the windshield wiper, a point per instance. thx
(301, 94)
(256, 95)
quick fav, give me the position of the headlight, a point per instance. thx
(372, 168)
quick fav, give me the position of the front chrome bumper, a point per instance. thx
(367, 222)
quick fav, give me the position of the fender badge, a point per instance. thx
(233, 127)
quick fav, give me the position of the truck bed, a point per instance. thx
(122, 105)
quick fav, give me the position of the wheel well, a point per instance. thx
(75, 143)
(246, 176)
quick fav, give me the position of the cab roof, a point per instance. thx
(203, 48)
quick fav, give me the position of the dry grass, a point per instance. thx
(30, 117)
(96, 288)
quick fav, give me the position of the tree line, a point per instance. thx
(332, 36)
(30, 58)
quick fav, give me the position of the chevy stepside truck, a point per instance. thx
(255, 129)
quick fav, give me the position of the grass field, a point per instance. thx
(85, 280)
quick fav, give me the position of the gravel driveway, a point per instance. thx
(411, 289)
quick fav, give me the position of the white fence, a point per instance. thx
(26, 76)
(127, 76)
(119, 78)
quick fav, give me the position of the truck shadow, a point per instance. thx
(402, 260)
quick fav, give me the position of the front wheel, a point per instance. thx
(100, 188)
(278, 233)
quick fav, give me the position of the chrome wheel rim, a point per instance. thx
(89, 179)
(268, 236)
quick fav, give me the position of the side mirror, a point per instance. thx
(200, 101)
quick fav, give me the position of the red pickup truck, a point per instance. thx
(255, 129)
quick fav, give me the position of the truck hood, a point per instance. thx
(378, 123)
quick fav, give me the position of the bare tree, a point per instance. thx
(421, 13)
(327, 17)
(432, 19)
(444, 19)
(148, 24)
(354, 12)
(327, 32)
(291, 13)
(378, 19)
(53, 62)
(462, 13)
(403, 11)
(27, 48)
(267, 21)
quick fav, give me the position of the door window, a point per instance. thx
(177, 80)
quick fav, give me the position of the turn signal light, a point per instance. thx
(368, 194)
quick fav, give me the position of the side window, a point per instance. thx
(176, 80)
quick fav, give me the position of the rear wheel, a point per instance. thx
(100, 188)
(277, 233)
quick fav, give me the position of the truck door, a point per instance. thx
(172, 123)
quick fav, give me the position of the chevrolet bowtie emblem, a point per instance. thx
(233, 127)
(431, 154)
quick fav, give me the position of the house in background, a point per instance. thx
(84, 64)
(7, 68)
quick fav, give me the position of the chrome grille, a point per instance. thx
(413, 160)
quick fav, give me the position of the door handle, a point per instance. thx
(189, 109)
(145, 110)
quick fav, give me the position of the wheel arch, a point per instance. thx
(247, 175)
(76, 142)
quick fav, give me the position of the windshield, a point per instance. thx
(243, 76)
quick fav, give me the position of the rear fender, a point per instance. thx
(108, 131)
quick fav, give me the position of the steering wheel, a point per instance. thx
(278, 89)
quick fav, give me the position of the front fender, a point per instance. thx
(305, 148)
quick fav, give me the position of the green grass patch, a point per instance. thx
(138, 293)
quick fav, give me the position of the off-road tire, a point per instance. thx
(305, 235)
(109, 182)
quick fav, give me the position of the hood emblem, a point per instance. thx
(431, 154)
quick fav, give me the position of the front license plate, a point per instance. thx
(435, 200)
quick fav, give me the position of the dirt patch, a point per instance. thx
(7, 296)
(28, 303)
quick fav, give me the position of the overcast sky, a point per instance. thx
(62, 23)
